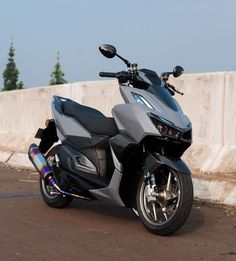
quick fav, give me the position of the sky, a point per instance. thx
(199, 35)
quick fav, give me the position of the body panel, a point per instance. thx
(111, 193)
(132, 119)
(159, 107)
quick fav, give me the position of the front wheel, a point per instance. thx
(164, 200)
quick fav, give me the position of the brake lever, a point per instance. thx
(125, 76)
(177, 91)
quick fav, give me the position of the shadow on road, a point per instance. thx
(105, 209)
(194, 222)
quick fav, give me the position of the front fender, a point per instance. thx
(154, 161)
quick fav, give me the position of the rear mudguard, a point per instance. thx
(48, 136)
(54, 150)
(154, 161)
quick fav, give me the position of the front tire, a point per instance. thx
(164, 207)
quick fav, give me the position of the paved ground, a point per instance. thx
(30, 230)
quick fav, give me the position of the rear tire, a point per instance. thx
(54, 201)
(48, 192)
(165, 215)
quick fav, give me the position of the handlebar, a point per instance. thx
(122, 76)
(108, 74)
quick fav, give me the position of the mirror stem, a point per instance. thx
(124, 60)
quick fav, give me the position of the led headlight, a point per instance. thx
(165, 130)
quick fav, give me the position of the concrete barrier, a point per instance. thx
(22, 112)
(209, 101)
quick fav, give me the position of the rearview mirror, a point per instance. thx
(178, 70)
(107, 50)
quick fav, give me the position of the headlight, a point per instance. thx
(165, 130)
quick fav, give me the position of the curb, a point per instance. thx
(5, 156)
(15, 159)
(206, 188)
(215, 190)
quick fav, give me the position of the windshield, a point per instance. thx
(155, 87)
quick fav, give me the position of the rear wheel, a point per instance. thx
(164, 200)
(49, 194)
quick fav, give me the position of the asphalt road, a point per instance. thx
(30, 230)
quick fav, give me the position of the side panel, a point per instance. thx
(110, 193)
(133, 119)
(77, 170)
(122, 146)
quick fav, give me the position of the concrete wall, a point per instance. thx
(22, 112)
(209, 101)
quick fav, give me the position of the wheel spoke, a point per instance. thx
(161, 204)
(163, 210)
(154, 211)
(168, 187)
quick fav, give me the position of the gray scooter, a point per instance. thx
(132, 159)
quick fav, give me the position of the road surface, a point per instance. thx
(30, 230)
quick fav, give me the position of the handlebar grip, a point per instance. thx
(108, 74)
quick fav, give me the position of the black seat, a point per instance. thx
(93, 120)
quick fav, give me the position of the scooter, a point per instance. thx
(132, 159)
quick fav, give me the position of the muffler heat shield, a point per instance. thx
(39, 161)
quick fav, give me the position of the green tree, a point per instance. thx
(20, 85)
(57, 76)
(11, 73)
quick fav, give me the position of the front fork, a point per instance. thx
(152, 193)
(150, 181)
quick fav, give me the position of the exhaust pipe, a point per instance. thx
(41, 165)
(39, 161)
